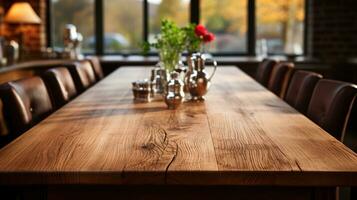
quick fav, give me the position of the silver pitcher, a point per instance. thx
(189, 71)
(199, 81)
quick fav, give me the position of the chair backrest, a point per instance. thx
(331, 104)
(60, 85)
(280, 77)
(25, 103)
(4, 132)
(97, 68)
(82, 74)
(264, 70)
(300, 89)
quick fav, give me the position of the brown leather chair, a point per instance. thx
(60, 85)
(300, 89)
(4, 132)
(280, 77)
(97, 68)
(25, 103)
(82, 74)
(331, 104)
(264, 70)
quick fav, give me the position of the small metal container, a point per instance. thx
(141, 90)
(174, 95)
(158, 80)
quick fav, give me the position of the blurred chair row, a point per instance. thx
(27, 101)
(326, 102)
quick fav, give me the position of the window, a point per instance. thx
(280, 25)
(175, 10)
(81, 14)
(227, 19)
(123, 26)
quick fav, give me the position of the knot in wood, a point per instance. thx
(148, 146)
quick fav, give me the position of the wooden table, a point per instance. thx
(243, 141)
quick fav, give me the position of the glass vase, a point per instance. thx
(169, 59)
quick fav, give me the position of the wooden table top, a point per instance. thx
(241, 135)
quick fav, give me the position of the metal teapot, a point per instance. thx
(199, 81)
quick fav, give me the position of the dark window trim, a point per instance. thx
(49, 24)
(195, 11)
(99, 27)
(251, 37)
(306, 25)
(146, 20)
(194, 18)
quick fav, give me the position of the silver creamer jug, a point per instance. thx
(199, 80)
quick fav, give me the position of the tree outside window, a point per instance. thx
(281, 24)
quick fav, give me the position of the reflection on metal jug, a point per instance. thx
(158, 80)
(174, 95)
(199, 81)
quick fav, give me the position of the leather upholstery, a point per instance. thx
(97, 68)
(26, 102)
(331, 104)
(300, 89)
(82, 74)
(4, 131)
(60, 85)
(280, 77)
(264, 70)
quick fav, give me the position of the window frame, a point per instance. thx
(194, 15)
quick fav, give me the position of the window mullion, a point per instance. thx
(195, 11)
(49, 27)
(251, 38)
(145, 20)
(99, 27)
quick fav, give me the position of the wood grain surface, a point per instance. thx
(241, 135)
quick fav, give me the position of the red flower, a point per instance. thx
(208, 37)
(200, 30)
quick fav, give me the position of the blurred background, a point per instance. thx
(279, 23)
